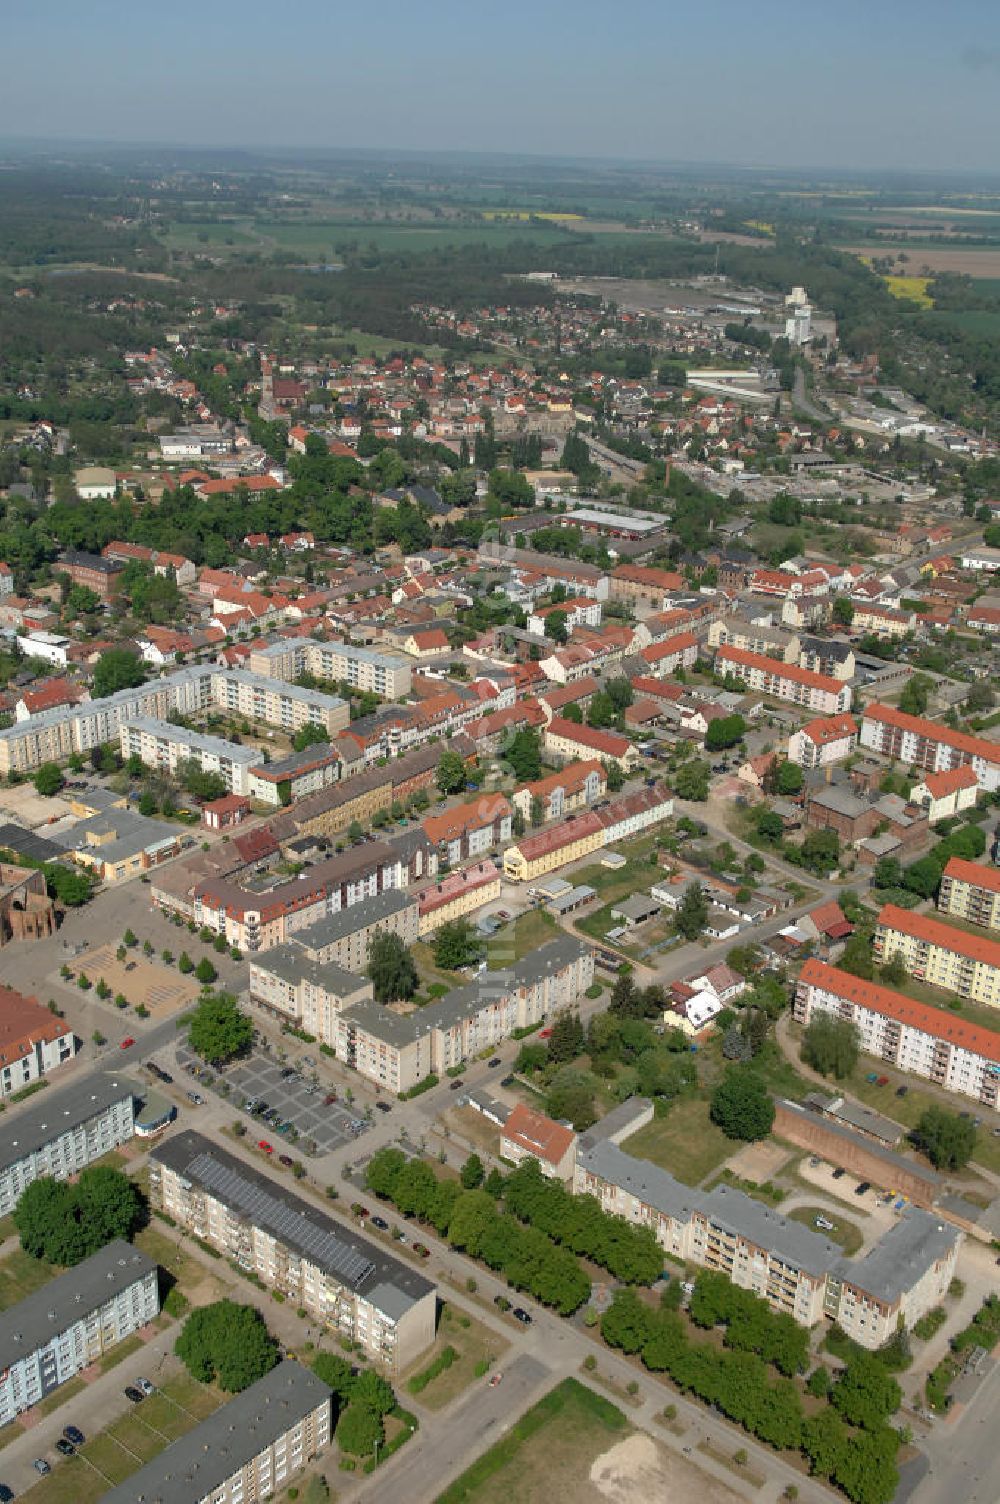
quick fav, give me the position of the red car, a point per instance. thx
(330, 1097)
(263, 1144)
(544, 1033)
(127, 1043)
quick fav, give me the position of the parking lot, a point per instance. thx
(291, 1100)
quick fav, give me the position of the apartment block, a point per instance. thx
(571, 742)
(928, 746)
(396, 1051)
(926, 1041)
(249, 1449)
(943, 795)
(69, 1323)
(939, 954)
(256, 920)
(102, 576)
(785, 681)
(469, 830)
(345, 937)
(576, 786)
(456, 895)
(288, 706)
(295, 777)
(823, 741)
(290, 987)
(793, 1268)
(639, 586)
(64, 1133)
(970, 892)
(166, 748)
(33, 1041)
(585, 831)
(353, 1286)
(758, 637)
(387, 675)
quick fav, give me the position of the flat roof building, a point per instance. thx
(65, 1132)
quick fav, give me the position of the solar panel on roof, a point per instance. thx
(261, 1208)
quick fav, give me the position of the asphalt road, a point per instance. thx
(963, 1455)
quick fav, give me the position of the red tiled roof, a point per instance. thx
(538, 1134)
(974, 746)
(24, 1023)
(940, 785)
(883, 1000)
(944, 936)
(780, 670)
(607, 743)
(977, 876)
(829, 728)
(450, 825)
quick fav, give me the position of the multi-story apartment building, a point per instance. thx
(576, 786)
(928, 745)
(387, 675)
(296, 776)
(396, 1052)
(825, 740)
(255, 921)
(67, 1131)
(581, 833)
(362, 795)
(915, 1037)
(53, 735)
(61, 1329)
(661, 659)
(636, 585)
(351, 1285)
(943, 795)
(344, 938)
(758, 637)
(33, 1041)
(287, 985)
(102, 576)
(456, 895)
(940, 954)
(785, 681)
(793, 1268)
(827, 655)
(471, 829)
(249, 1449)
(166, 747)
(571, 742)
(971, 892)
(579, 611)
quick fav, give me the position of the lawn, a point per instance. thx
(685, 1142)
(515, 941)
(21, 1275)
(845, 1234)
(546, 1456)
(473, 1342)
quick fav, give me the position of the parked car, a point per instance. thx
(422, 1249)
(495, 1380)
(862, 1187)
(127, 1042)
(839, 1173)
(286, 1160)
(6, 1496)
(380, 1223)
(330, 1098)
(495, 1062)
(136, 1396)
(65, 1448)
(264, 1146)
(363, 1212)
(824, 1223)
(41, 1466)
(901, 1091)
(384, 1106)
(458, 1083)
(74, 1434)
(195, 1099)
(521, 1315)
(882, 1081)
(145, 1385)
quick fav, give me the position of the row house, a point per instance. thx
(586, 831)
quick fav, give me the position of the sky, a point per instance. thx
(862, 84)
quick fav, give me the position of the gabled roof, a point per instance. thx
(539, 1135)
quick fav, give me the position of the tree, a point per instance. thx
(770, 827)
(217, 1030)
(451, 772)
(947, 1139)
(692, 779)
(566, 1040)
(48, 780)
(742, 1107)
(866, 1394)
(573, 713)
(831, 1045)
(337, 1373)
(524, 754)
(916, 692)
(724, 732)
(147, 803)
(472, 1173)
(789, 779)
(857, 956)
(205, 972)
(895, 970)
(843, 611)
(117, 669)
(455, 945)
(390, 968)
(556, 628)
(370, 1389)
(571, 1096)
(355, 831)
(615, 776)
(820, 851)
(692, 912)
(66, 1223)
(184, 963)
(228, 1344)
(601, 712)
(359, 1430)
(309, 734)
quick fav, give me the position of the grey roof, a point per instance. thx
(130, 834)
(70, 1298)
(197, 740)
(292, 964)
(355, 1263)
(616, 1122)
(27, 843)
(637, 908)
(318, 754)
(200, 1462)
(840, 802)
(892, 1161)
(336, 927)
(901, 1256)
(59, 1112)
(642, 1179)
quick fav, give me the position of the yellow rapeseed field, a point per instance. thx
(913, 288)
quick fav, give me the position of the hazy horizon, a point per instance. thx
(863, 89)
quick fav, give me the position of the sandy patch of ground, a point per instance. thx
(637, 1470)
(163, 990)
(25, 807)
(759, 1162)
